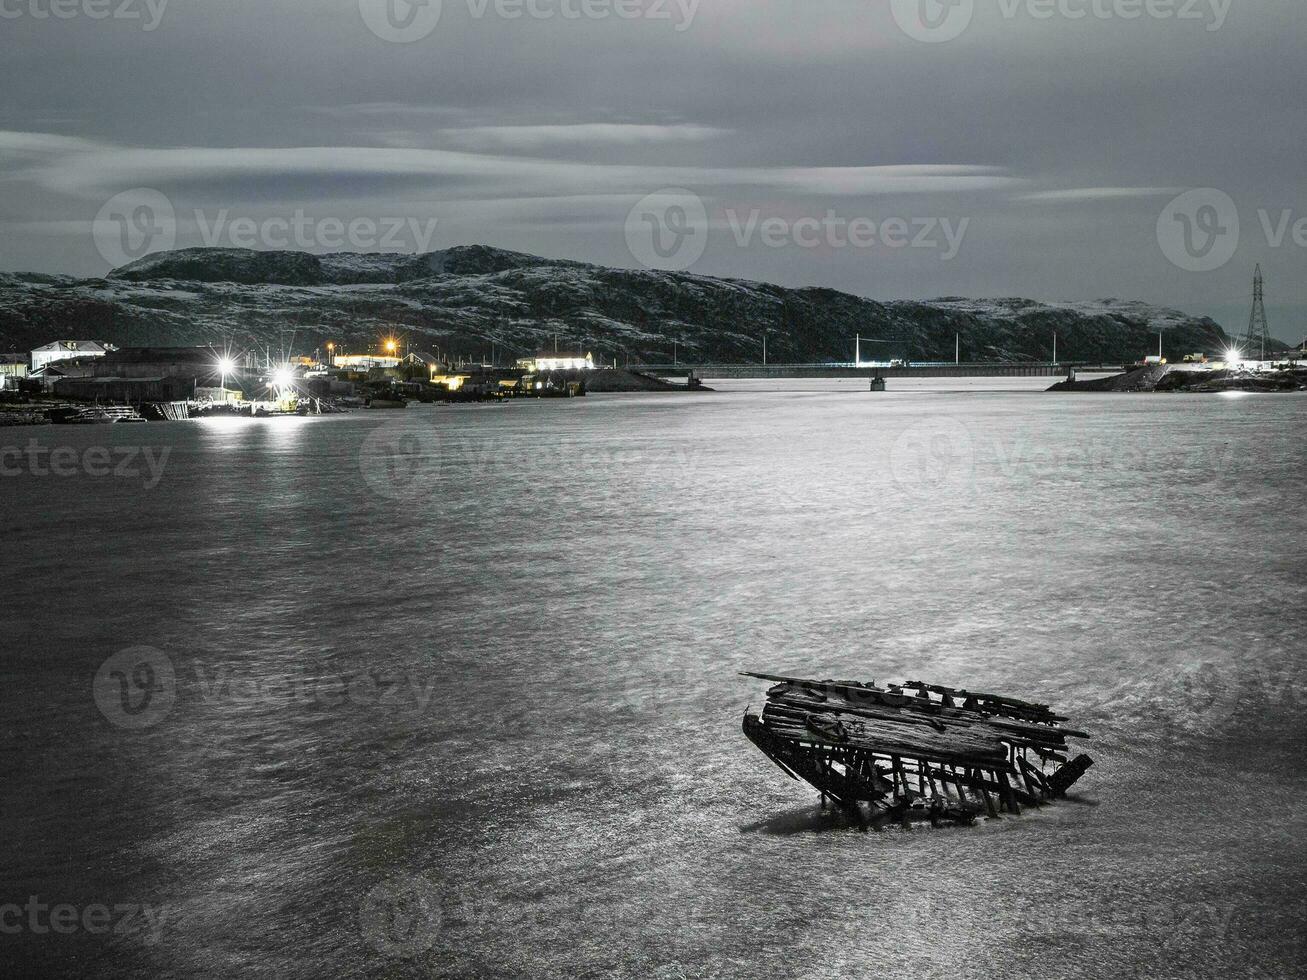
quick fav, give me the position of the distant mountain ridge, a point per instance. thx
(464, 299)
(290, 268)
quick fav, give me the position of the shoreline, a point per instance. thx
(37, 410)
(1167, 379)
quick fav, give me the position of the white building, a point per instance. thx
(363, 362)
(66, 350)
(557, 362)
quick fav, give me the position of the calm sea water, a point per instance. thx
(453, 691)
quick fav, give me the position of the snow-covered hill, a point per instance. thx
(463, 299)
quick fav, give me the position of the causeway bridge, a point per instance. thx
(1007, 369)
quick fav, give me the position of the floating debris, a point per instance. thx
(915, 751)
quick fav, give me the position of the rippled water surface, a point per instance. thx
(454, 692)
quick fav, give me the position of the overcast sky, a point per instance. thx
(1025, 150)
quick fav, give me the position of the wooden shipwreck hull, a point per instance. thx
(915, 751)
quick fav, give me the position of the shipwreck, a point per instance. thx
(915, 752)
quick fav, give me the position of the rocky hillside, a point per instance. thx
(464, 299)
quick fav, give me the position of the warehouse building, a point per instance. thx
(132, 390)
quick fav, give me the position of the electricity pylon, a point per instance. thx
(1258, 332)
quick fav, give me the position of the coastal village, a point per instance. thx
(83, 381)
(88, 381)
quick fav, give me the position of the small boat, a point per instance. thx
(914, 751)
(387, 403)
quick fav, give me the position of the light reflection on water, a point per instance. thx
(495, 647)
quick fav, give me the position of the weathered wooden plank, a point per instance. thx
(1065, 777)
(1035, 777)
(1035, 734)
(869, 733)
(996, 702)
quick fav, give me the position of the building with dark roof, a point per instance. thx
(109, 389)
(198, 364)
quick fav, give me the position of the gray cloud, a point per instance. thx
(1076, 195)
(571, 134)
(1060, 139)
(89, 169)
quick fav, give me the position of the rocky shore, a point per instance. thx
(1168, 379)
(606, 380)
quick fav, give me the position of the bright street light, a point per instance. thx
(225, 366)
